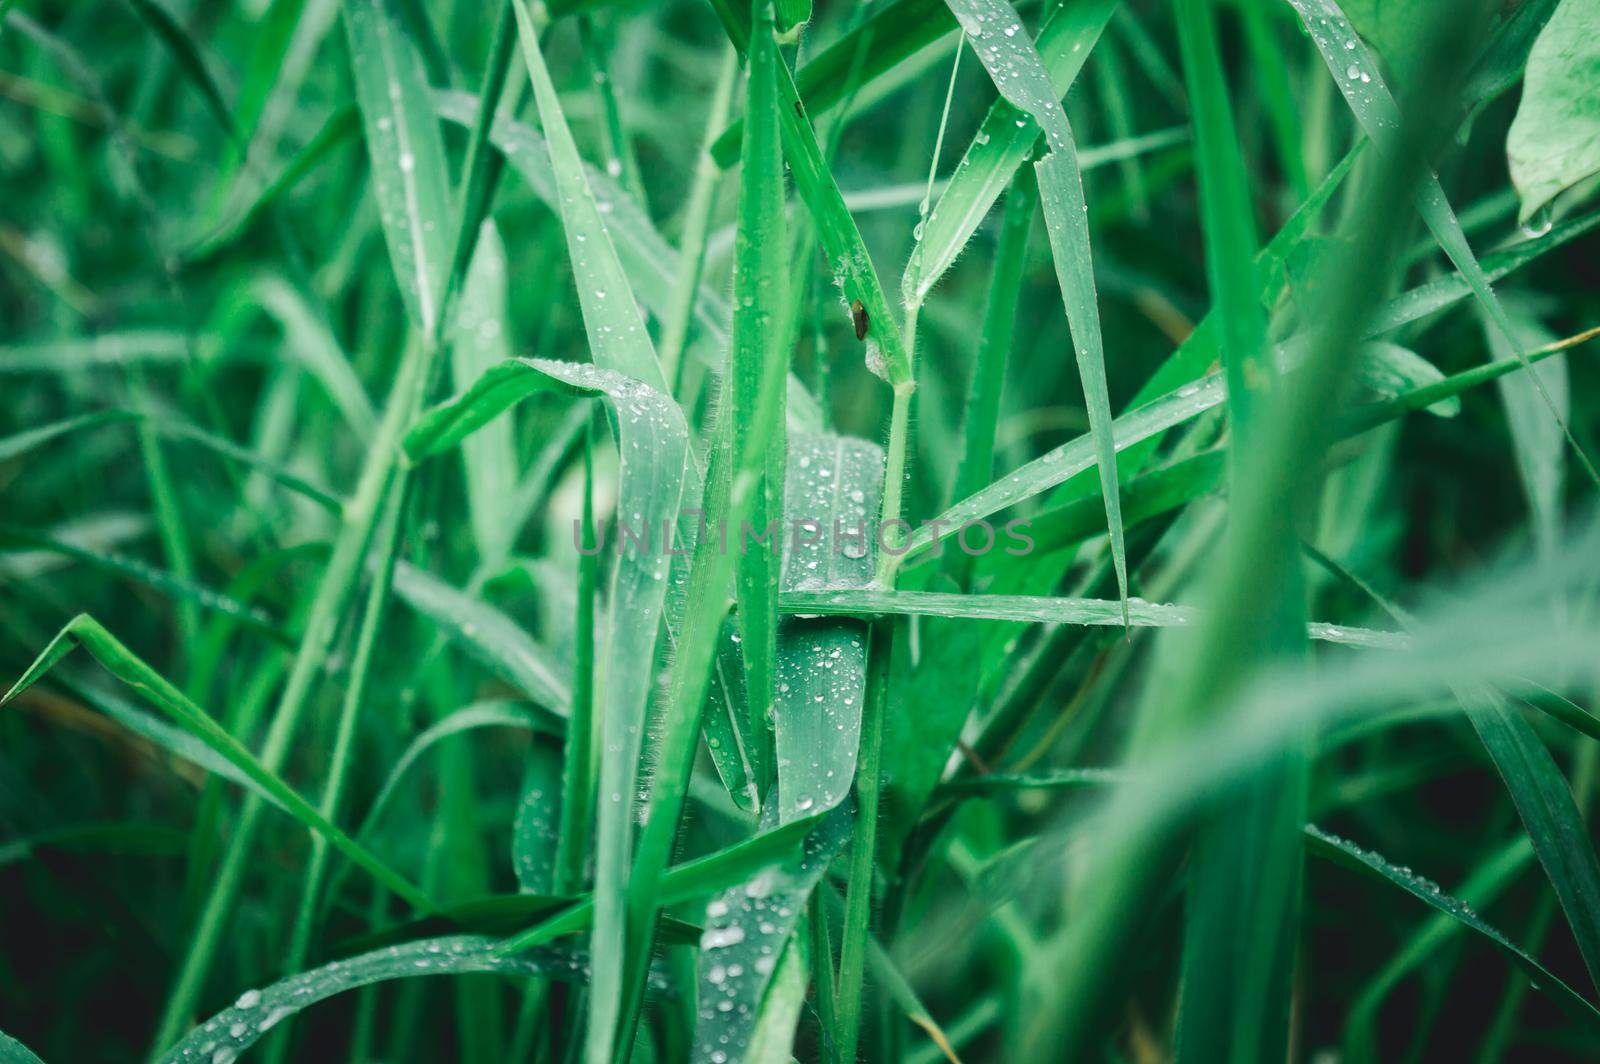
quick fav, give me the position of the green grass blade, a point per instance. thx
(14, 1052)
(256, 1012)
(740, 471)
(409, 177)
(748, 930)
(489, 636)
(480, 338)
(870, 50)
(122, 663)
(1244, 869)
(617, 337)
(886, 352)
(1370, 863)
(867, 602)
(835, 482)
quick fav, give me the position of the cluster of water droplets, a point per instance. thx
(221, 1039)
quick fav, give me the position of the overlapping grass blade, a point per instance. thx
(1002, 144)
(832, 488)
(1355, 71)
(741, 469)
(868, 602)
(617, 337)
(1019, 74)
(749, 931)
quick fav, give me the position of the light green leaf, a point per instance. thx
(1554, 142)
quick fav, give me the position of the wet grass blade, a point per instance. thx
(409, 178)
(256, 1012)
(833, 487)
(1001, 145)
(489, 636)
(1366, 861)
(868, 602)
(617, 337)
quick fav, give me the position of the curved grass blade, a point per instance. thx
(459, 722)
(167, 583)
(308, 340)
(480, 338)
(1352, 856)
(1000, 146)
(238, 1027)
(409, 177)
(122, 663)
(186, 53)
(652, 440)
(1486, 883)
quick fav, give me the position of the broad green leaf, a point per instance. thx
(409, 177)
(749, 929)
(1554, 142)
(1000, 146)
(832, 498)
(255, 1012)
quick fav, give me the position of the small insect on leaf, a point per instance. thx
(858, 314)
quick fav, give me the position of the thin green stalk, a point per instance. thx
(863, 848)
(696, 228)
